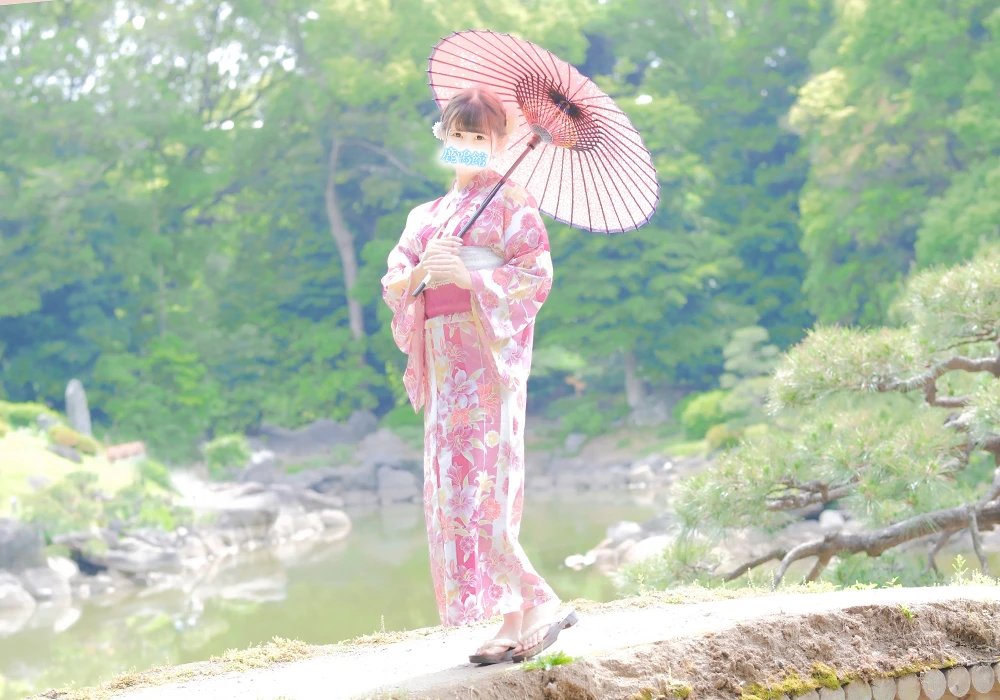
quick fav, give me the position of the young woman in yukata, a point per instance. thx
(469, 340)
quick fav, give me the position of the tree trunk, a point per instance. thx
(345, 244)
(635, 392)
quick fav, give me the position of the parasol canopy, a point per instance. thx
(590, 169)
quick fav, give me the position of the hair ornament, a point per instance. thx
(438, 131)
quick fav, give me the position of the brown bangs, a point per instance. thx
(477, 110)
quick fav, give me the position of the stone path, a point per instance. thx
(419, 666)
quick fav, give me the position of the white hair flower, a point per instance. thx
(438, 130)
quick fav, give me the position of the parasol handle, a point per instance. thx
(532, 144)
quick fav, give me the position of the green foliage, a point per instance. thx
(720, 437)
(153, 472)
(687, 559)
(546, 662)
(67, 437)
(226, 452)
(590, 414)
(703, 412)
(21, 415)
(401, 417)
(4, 428)
(902, 569)
(75, 504)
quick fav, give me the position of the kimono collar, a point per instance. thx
(486, 178)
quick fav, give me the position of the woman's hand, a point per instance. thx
(442, 263)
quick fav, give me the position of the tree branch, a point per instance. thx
(876, 542)
(937, 547)
(778, 553)
(977, 541)
(957, 362)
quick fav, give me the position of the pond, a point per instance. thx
(378, 576)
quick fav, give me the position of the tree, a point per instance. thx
(907, 468)
(900, 125)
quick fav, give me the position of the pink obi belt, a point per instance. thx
(450, 299)
(446, 300)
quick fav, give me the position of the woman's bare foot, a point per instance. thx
(533, 616)
(509, 630)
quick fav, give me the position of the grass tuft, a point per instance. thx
(545, 662)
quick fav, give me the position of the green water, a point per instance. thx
(334, 592)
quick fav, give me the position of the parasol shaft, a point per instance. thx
(532, 144)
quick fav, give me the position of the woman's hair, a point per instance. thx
(475, 109)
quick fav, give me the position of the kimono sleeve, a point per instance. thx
(403, 258)
(510, 296)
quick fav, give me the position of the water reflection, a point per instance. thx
(319, 594)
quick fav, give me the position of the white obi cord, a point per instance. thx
(480, 258)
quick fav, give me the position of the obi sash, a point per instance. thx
(446, 300)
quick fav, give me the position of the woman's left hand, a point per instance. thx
(448, 268)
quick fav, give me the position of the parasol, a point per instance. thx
(574, 150)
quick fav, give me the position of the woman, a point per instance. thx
(469, 339)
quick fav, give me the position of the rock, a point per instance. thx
(13, 595)
(45, 585)
(139, 555)
(45, 421)
(574, 441)
(641, 474)
(335, 519)
(296, 527)
(318, 437)
(253, 512)
(648, 548)
(360, 499)
(20, 545)
(37, 482)
(13, 620)
(832, 520)
(65, 452)
(67, 569)
(264, 472)
(383, 448)
(77, 410)
(395, 486)
(624, 530)
(578, 562)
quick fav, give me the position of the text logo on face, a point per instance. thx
(464, 157)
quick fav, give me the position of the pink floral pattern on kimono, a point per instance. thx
(469, 373)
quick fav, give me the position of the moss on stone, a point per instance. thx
(825, 676)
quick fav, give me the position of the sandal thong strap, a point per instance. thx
(556, 619)
(498, 642)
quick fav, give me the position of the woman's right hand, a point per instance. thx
(445, 247)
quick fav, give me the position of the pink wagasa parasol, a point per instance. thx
(574, 150)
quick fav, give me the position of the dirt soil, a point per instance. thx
(717, 649)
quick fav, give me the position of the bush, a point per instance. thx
(76, 503)
(590, 414)
(153, 472)
(721, 437)
(702, 412)
(402, 417)
(67, 437)
(22, 415)
(4, 428)
(226, 452)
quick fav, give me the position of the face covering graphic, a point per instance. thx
(468, 157)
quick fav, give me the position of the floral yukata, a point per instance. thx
(469, 360)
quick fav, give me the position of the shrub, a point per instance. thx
(4, 428)
(76, 503)
(153, 472)
(22, 415)
(721, 437)
(226, 452)
(66, 436)
(702, 412)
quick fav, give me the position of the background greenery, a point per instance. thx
(199, 197)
